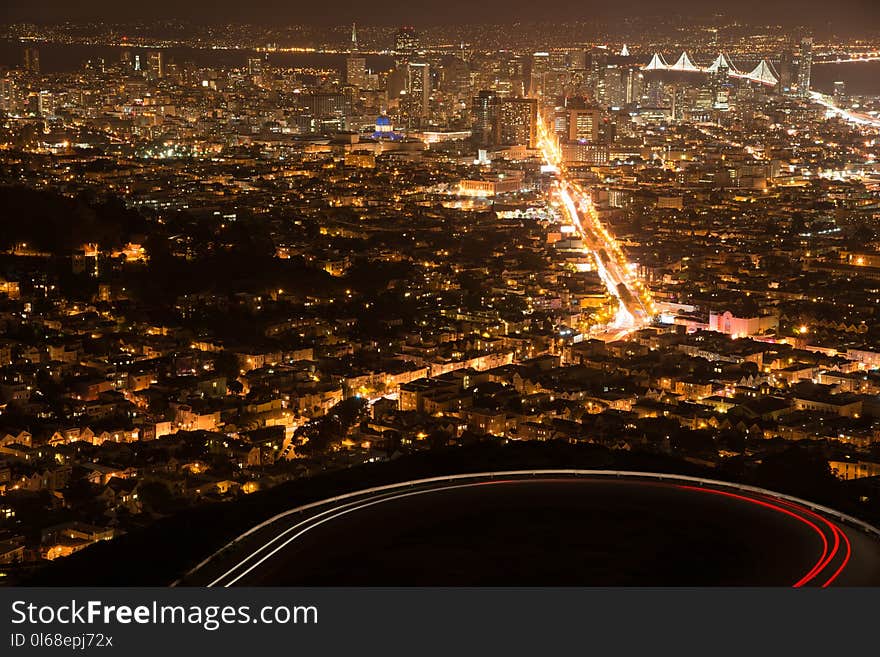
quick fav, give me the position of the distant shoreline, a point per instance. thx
(862, 78)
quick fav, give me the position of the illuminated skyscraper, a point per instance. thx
(326, 105)
(255, 66)
(406, 43)
(785, 67)
(615, 87)
(805, 65)
(156, 62)
(719, 88)
(7, 94)
(635, 85)
(485, 113)
(356, 71)
(454, 76)
(418, 91)
(540, 65)
(518, 121)
(840, 96)
(583, 124)
(32, 60)
(598, 61)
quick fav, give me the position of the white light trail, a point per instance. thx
(853, 117)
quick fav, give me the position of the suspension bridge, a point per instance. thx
(764, 73)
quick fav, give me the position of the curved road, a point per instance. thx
(550, 529)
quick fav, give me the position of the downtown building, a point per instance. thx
(518, 122)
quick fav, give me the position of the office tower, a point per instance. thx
(485, 114)
(677, 102)
(418, 90)
(539, 66)
(786, 70)
(577, 59)
(32, 60)
(46, 103)
(406, 43)
(156, 63)
(137, 62)
(518, 121)
(805, 64)
(583, 124)
(255, 66)
(557, 84)
(719, 88)
(558, 60)
(559, 122)
(701, 101)
(635, 86)
(7, 95)
(615, 86)
(455, 77)
(356, 71)
(354, 38)
(840, 97)
(598, 61)
(325, 105)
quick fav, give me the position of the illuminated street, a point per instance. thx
(635, 308)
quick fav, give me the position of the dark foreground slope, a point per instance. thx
(162, 552)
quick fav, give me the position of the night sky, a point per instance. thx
(841, 14)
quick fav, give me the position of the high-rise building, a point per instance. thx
(406, 43)
(7, 94)
(325, 105)
(616, 86)
(46, 103)
(577, 59)
(518, 121)
(485, 114)
(840, 97)
(805, 65)
(719, 88)
(255, 65)
(32, 60)
(418, 90)
(156, 62)
(785, 68)
(540, 65)
(583, 124)
(635, 85)
(356, 71)
(598, 61)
